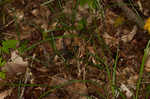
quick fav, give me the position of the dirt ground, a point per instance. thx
(75, 49)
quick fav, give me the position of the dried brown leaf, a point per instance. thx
(129, 36)
(111, 41)
(6, 93)
(17, 65)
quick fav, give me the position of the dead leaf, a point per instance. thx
(73, 90)
(124, 88)
(76, 89)
(111, 41)
(6, 93)
(57, 81)
(17, 65)
(35, 12)
(129, 37)
(132, 81)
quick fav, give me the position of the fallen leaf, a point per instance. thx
(129, 37)
(111, 41)
(124, 88)
(6, 93)
(74, 89)
(132, 81)
(17, 65)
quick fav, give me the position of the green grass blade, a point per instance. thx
(146, 51)
(114, 74)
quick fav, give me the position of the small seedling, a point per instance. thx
(4, 49)
(6, 45)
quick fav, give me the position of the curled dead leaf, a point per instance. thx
(17, 65)
(129, 37)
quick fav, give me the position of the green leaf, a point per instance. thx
(2, 75)
(83, 2)
(2, 62)
(5, 50)
(9, 43)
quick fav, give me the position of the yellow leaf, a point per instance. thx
(147, 25)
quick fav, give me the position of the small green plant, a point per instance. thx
(4, 49)
(6, 45)
(146, 51)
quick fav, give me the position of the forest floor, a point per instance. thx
(74, 49)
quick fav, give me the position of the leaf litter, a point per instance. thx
(59, 60)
